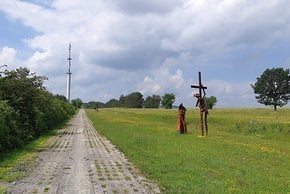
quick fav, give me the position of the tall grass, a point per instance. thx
(247, 150)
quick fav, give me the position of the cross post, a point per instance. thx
(200, 102)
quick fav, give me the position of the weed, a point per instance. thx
(255, 127)
(2, 189)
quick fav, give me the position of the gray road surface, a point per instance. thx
(79, 160)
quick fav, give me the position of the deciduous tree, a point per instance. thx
(134, 100)
(273, 87)
(167, 100)
(112, 103)
(77, 102)
(152, 101)
(210, 102)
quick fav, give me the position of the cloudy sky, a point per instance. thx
(155, 47)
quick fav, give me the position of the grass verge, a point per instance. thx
(228, 161)
(15, 164)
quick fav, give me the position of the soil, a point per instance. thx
(80, 160)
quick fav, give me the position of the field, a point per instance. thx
(247, 150)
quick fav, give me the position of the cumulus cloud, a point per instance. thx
(148, 7)
(223, 24)
(7, 55)
(150, 46)
(162, 81)
(238, 94)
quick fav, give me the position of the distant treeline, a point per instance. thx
(133, 100)
(136, 100)
(27, 109)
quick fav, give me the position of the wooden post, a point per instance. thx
(200, 103)
(200, 100)
(205, 121)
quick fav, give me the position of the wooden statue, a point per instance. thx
(181, 128)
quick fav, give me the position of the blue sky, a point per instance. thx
(154, 47)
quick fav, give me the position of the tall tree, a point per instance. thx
(122, 101)
(273, 87)
(152, 101)
(134, 100)
(112, 103)
(210, 102)
(77, 103)
(168, 100)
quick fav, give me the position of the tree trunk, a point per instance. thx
(275, 107)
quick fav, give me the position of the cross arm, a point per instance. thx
(202, 87)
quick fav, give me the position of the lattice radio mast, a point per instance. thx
(68, 74)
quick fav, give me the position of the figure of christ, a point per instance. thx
(181, 127)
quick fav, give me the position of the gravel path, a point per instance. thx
(79, 160)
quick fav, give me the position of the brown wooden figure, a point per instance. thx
(201, 104)
(181, 127)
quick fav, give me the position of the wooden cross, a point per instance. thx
(200, 102)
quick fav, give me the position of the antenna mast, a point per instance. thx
(68, 74)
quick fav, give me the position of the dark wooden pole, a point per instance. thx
(202, 108)
(205, 120)
(200, 98)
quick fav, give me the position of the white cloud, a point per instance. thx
(237, 94)
(162, 81)
(150, 46)
(148, 6)
(7, 55)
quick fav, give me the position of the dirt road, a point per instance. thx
(79, 160)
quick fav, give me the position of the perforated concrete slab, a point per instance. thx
(79, 160)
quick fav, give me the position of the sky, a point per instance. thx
(148, 46)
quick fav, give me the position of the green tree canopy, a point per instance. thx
(167, 100)
(77, 103)
(210, 102)
(112, 103)
(21, 90)
(122, 101)
(152, 101)
(273, 87)
(27, 109)
(94, 105)
(61, 97)
(134, 100)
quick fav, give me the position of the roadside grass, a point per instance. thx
(247, 150)
(15, 164)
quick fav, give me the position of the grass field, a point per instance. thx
(247, 150)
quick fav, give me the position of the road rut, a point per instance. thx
(80, 160)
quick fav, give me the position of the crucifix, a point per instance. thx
(201, 104)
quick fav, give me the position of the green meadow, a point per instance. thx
(247, 150)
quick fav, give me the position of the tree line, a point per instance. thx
(27, 109)
(134, 100)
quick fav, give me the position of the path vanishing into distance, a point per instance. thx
(79, 160)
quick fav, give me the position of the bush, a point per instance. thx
(27, 109)
(9, 129)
